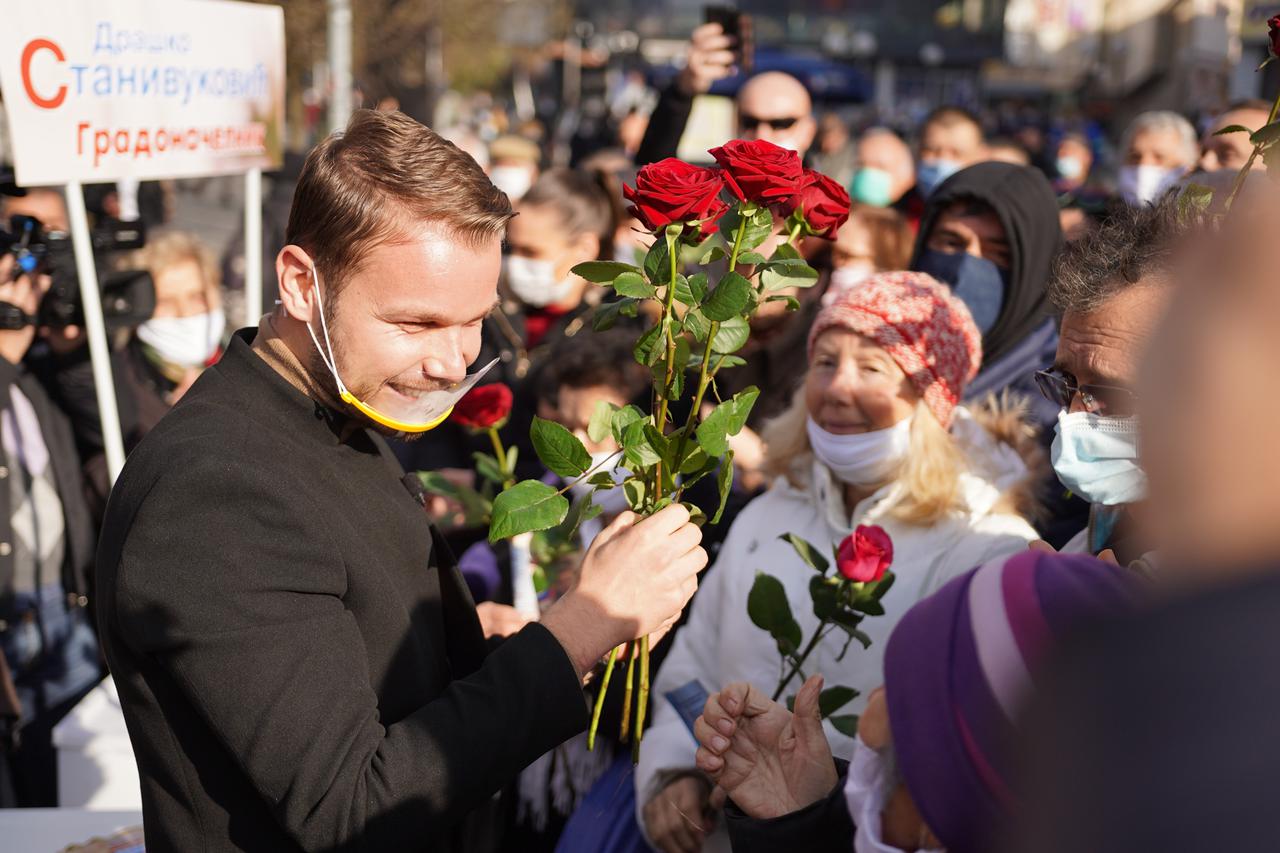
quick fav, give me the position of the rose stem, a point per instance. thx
(604, 688)
(1238, 183)
(799, 662)
(500, 453)
(642, 700)
(626, 696)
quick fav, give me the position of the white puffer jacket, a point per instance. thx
(719, 644)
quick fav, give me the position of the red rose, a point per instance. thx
(671, 190)
(866, 555)
(484, 407)
(759, 171)
(823, 203)
(1273, 26)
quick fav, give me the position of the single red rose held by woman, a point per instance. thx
(484, 407)
(866, 555)
(672, 190)
(823, 203)
(1273, 30)
(759, 171)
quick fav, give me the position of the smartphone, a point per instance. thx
(738, 26)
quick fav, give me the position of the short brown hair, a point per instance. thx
(891, 237)
(360, 187)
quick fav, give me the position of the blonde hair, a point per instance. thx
(930, 474)
(175, 247)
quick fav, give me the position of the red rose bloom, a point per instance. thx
(823, 203)
(1273, 27)
(671, 190)
(866, 555)
(759, 171)
(484, 407)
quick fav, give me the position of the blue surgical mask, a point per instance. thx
(977, 282)
(930, 174)
(1096, 457)
(872, 186)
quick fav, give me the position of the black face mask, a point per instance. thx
(977, 282)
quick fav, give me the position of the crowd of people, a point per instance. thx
(1030, 359)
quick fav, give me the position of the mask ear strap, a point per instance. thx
(329, 361)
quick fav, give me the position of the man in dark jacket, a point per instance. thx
(48, 653)
(298, 660)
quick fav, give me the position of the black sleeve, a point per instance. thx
(823, 827)
(666, 126)
(244, 612)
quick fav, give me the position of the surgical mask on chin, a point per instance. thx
(977, 282)
(512, 180)
(185, 341)
(864, 458)
(930, 175)
(1145, 184)
(611, 501)
(844, 279)
(872, 186)
(1071, 168)
(415, 413)
(534, 282)
(871, 782)
(1096, 457)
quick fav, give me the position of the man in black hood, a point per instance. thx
(991, 232)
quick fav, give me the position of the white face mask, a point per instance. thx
(1145, 184)
(185, 341)
(611, 501)
(534, 281)
(512, 180)
(870, 784)
(864, 458)
(844, 279)
(1096, 457)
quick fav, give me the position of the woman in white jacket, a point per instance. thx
(875, 436)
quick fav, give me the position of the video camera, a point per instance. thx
(128, 296)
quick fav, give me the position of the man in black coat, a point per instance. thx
(298, 660)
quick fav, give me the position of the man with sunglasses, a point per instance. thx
(1111, 289)
(771, 105)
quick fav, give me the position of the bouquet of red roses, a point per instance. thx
(699, 215)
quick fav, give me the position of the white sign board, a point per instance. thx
(96, 91)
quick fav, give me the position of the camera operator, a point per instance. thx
(50, 654)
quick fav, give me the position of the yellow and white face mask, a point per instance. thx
(421, 412)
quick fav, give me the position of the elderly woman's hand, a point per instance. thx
(769, 760)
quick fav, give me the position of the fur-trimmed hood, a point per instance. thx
(1004, 447)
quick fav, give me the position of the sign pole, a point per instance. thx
(252, 246)
(100, 355)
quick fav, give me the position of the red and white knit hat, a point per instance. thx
(923, 327)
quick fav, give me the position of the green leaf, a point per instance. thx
(526, 506)
(696, 515)
(834, 698)
(1194, 199)
(882, 586)
(779, 275)
(697, 325)
(604, 479)
(559, 449)
(657, 263)
(658, 442)
(635, 489)
(786, 252)
(869, 606)
(1266, 135)
(714, 251)
(825, 593)
(724, 482)
(695, 457)
(438, 484)
(768, 608)
(730, 361)
(807, 552)
(793, 304)
(759, 227)
(648, 349)
(1233, 128)
(731, 336)
(606, 315)
(846, 724)
(637, 449)
(725, 420)
(623, 418)
(692, 290)
(727, 301)
(601, 421)
(487, 467)
(633, 284)
(751, 258)
(603, 272)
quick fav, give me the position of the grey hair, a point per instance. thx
(1135, 245)
(1162, 121)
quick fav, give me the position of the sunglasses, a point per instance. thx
(751, 122)
(1097, 399)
